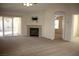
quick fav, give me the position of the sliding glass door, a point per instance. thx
(7, 26)
(1, 26)
(10, 26)
(16, 26)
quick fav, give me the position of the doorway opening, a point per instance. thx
(59, 26)
(75, 29)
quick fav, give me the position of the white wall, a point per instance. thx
(49, 18)
(29, 21)
(46, 19)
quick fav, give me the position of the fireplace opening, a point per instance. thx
(34, 32)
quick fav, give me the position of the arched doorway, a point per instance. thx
(59, 25)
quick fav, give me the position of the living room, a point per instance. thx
(26, 28)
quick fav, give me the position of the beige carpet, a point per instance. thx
(33, 46)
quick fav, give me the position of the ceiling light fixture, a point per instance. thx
(28, 4)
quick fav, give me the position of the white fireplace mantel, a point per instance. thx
(34, 26)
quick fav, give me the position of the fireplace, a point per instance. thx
(34, 32)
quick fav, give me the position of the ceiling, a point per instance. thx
(18, 7)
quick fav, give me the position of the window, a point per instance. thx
(56, 24)
(10, 26)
